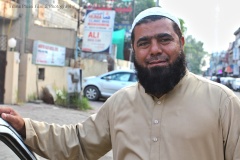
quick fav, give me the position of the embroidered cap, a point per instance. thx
(155, 11)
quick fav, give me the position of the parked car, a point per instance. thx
(107, 84)
(13, 142)
(227, 81)
(236, 84)
(213, 78)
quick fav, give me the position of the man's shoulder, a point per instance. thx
(126, 93)
(127, 90)
(204, 83)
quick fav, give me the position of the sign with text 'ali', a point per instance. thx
(98, 29)
(48, 54)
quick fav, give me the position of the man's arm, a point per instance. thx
(230, 118)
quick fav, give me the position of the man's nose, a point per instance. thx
(155, 47)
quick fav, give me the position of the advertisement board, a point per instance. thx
(98, 29)
(48, 54)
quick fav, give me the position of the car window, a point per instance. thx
(124, 77)
(6, 152)
(133, 78)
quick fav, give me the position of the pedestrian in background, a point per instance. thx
(218, 80)
(110, 62)
(170, 114)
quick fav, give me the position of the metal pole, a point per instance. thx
(133, 12)
(22, 27)
(78, 25)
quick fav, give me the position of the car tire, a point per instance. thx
(92, 93)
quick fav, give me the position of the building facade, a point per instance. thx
(226, 63)
(27, 21)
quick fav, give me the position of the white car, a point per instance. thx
(236, 84)
(107, 84)
(12, 145)
(227, 81)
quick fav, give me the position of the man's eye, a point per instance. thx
(142, 44)
(165, 41)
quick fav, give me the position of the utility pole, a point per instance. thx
(133, 12)
(22, 27)
(78, 26)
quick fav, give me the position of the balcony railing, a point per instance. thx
(3, 42)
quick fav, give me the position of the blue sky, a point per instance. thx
(212, 22)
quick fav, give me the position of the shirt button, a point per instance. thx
(158, 102)
(155, 139)
(155, 121)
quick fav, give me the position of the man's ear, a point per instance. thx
(182, 41)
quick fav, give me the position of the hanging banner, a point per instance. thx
(98, 29)
(48, 54)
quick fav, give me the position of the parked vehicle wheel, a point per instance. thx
(92, 93)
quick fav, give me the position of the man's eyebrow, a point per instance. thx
(160, 35)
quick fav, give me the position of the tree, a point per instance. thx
(183, 28)
(194, 54)
(141, 5)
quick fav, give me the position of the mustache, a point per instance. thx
(160, 57)
(157, 58)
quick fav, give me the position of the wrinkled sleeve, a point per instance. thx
(231, 128)
(87, 140)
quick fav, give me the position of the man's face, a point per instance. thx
(159, 59)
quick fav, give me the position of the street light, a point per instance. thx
(12, 42)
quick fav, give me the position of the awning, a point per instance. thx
(118, 39)
(228, 69)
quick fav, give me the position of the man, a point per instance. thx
(171, 114)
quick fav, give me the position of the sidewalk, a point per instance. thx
(53, 114)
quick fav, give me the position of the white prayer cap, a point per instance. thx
(155, 11)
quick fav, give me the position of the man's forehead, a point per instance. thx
(154, 28)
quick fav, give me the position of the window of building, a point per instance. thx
(41, 73)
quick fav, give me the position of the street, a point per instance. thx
(54, 114)
(51, 114)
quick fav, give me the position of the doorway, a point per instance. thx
(3, 63)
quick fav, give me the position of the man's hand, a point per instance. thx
(13, 118)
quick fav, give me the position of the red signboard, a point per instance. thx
(119, 10)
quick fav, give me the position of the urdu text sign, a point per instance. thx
(98, 29)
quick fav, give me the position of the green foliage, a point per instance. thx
(141, 5)
(32, 97)
(194, 54)
(61, 97)
(84, 104)
(183, 27)
(71, 100)
(80, 103)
